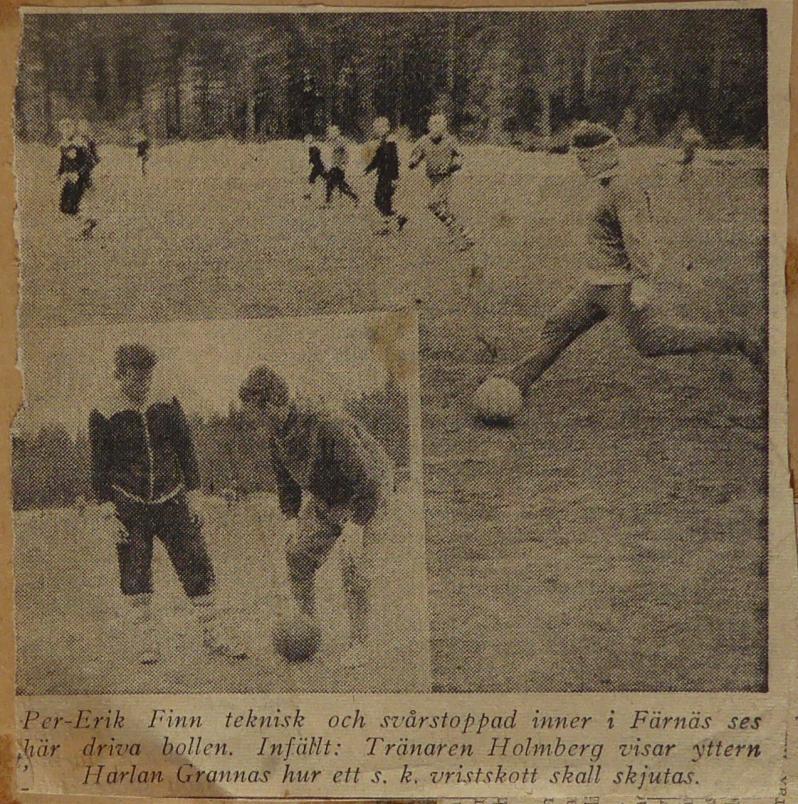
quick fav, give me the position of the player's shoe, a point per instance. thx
(306, 196)
(356, 655)
(149, 654)
(401, 221)
(88, 229)
(217, 645)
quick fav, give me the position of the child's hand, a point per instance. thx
(194, 499)
(642, 293)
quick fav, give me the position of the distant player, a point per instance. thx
(74, 169)
(83, 131)
(146, 478)
(339, 159)
(616, 280)
(386, 163)
(441, 152)
(691, 141)
(329, 472)
(317, 170)
(142, 150)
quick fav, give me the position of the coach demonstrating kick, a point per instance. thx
(329, 472)
(616, 281)
(145, 474)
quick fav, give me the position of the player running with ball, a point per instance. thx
(331, 474)
(617, 279)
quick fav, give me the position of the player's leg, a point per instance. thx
(383, 203)
(134, 555)
(655, 336)
(440, 192)
(331, 183)
(181, 533)
(576, 313)
(346, 188)
(307, 550)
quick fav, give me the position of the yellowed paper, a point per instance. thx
(583, 594)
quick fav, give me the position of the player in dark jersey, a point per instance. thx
(317, 169)
(386, 164)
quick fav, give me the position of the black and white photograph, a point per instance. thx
(220, 506)
(573, 205)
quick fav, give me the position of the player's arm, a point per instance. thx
(184, 447)
(374, 161)
(416, 155)
(457, 156)
(289, 492)
(633, 208)
(355, 463)
(101, 446)
(393, 159)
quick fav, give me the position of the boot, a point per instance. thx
(143, 623)
(214, 639)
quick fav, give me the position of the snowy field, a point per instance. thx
(614, 539)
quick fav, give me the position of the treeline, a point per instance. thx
(501, 77)
(53, 468)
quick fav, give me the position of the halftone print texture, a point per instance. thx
(183, 170)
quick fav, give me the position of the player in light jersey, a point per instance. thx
(616, 281)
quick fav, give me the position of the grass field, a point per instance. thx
(74, 633)
(616, 537)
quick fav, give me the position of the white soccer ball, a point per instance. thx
(498, 401)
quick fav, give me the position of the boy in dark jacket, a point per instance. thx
(142, 150)
(317, 170)
(386, 162)
(329, 471)
(145, 474)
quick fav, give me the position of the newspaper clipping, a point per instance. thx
(404, 406)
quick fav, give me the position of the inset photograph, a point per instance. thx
(221, 506)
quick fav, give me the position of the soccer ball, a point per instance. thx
(497, 401)
(296, 638)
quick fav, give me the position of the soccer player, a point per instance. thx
(691, 140)
(93, 158)
(329, 472)
(616, 281)
(317, 170)
(146, 478)
(74, 169)
(386, 163)
(142, 150)
(339, 159)
(441, 152)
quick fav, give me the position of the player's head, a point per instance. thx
(82, 127)
(333, 132)
(691, 136)
(265, 397)
(133, 367)
(381, 126)
(596, 149)
(436, 125)
(66, 127)
(308, 139)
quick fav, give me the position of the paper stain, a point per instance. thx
(389, 339)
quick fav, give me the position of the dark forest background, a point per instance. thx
(52, 468)
(501, 77)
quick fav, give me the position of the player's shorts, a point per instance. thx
(440, 190)
(180, 533)
(317, 532)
